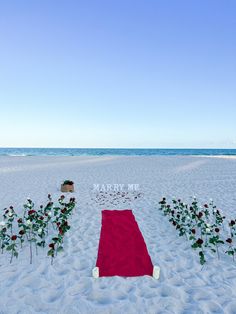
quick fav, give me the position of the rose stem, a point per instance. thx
(31, 257)
(11, 256)
(223, 226)
(11, 253)
(186, 236)
(217, 251)
(36, 248)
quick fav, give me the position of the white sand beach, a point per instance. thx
(67, 286)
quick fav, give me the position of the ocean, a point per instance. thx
(114, 151)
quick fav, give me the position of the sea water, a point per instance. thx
(114, 151)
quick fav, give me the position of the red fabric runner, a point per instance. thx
(122, 250)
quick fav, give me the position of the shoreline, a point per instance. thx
(216, 156)
(120, 155)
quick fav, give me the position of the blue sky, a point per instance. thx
(122, 73)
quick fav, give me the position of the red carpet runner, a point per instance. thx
(122, 250)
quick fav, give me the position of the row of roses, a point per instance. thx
(203, 225)
(61, 225)
(35, 226)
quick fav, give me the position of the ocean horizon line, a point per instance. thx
(117, 148)
(46, 151)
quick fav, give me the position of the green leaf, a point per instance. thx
(60, 237)
(195, 245)
(51, 253)
(10, 247)
(60, 249)
(202, 258)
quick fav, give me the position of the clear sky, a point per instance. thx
(118, 73)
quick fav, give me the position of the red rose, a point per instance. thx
(19, 221)
(61, 231)
(41, 218)
(51, 245)
(31, 212)
(14, 237)
(21, 232)
(199, 241)
(200, 215)
(193, 231)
